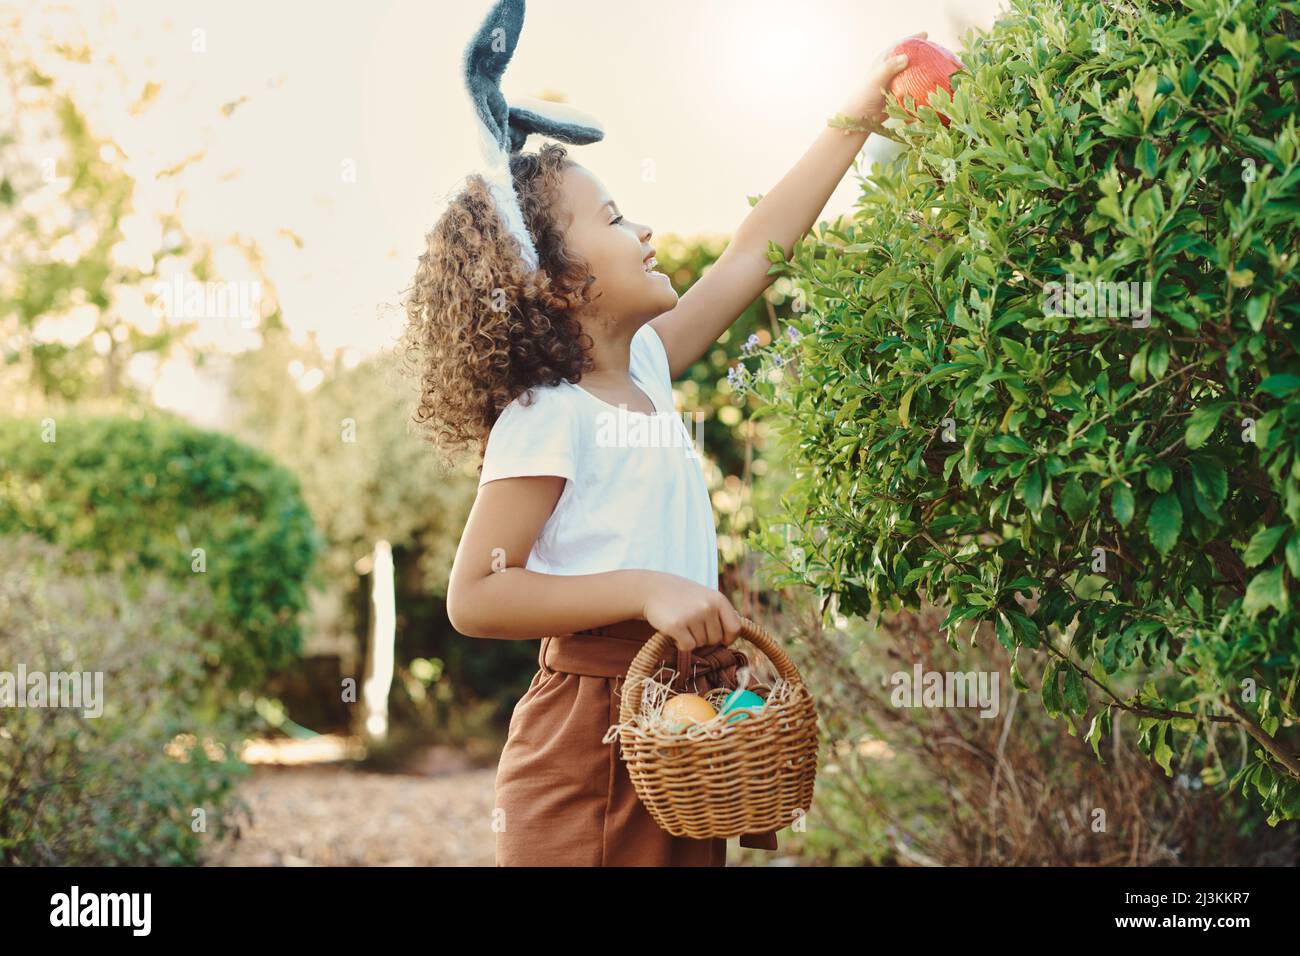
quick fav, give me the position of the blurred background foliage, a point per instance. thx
(80, 321)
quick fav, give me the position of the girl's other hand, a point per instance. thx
(691, 614)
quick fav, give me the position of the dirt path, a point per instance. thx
(331, 815)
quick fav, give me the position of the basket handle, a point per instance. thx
(644, 664)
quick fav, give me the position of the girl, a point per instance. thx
(590, 546)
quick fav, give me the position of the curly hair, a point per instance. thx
(480, 332)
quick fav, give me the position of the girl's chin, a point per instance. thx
(660, 280)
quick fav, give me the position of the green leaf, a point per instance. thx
(1165, 522)
(1266, 589)
(1279, 385)
(959, 614)
(1018, 680)
(944, 260)
(1075, 694)
(905, 406)
(1093, 736)
(1257, 311)
(1144, 91)
(1121, 503)
(1033, 492)
(1163, 753)
(1262, 545)
(1159, 477)
(1074, 500)
(1025, 628)
(1158, 361)
(1009, 443)
(1210, 480)
(1203, 421)
(1293, 555)
(1005, 635)
(1137, 368)
(1146, 158)
(1051, 694)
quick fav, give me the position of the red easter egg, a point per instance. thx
(928, 67)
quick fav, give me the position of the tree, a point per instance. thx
(102, 282)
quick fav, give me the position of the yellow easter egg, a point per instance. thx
(686, 709)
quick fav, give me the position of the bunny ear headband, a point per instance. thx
(504, 127)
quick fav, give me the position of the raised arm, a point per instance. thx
(784, 215)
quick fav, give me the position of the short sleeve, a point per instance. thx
(540, 438)
(649, 352)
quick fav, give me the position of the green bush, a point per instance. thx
(122, 787)
(1116, 490)
(147, 495)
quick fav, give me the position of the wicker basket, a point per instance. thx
(756, 775)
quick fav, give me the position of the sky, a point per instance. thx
(334, 132)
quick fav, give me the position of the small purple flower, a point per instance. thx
(793, 333)
(777, 360)
(751, 343)
(736, 376)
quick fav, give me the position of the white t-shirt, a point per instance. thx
(635, 495)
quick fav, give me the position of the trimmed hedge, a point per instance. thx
(158, 494)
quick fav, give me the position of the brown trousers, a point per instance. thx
(563, 798)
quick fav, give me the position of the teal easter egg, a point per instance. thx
(739, 699)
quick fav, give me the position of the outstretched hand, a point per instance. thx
(869, 106)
